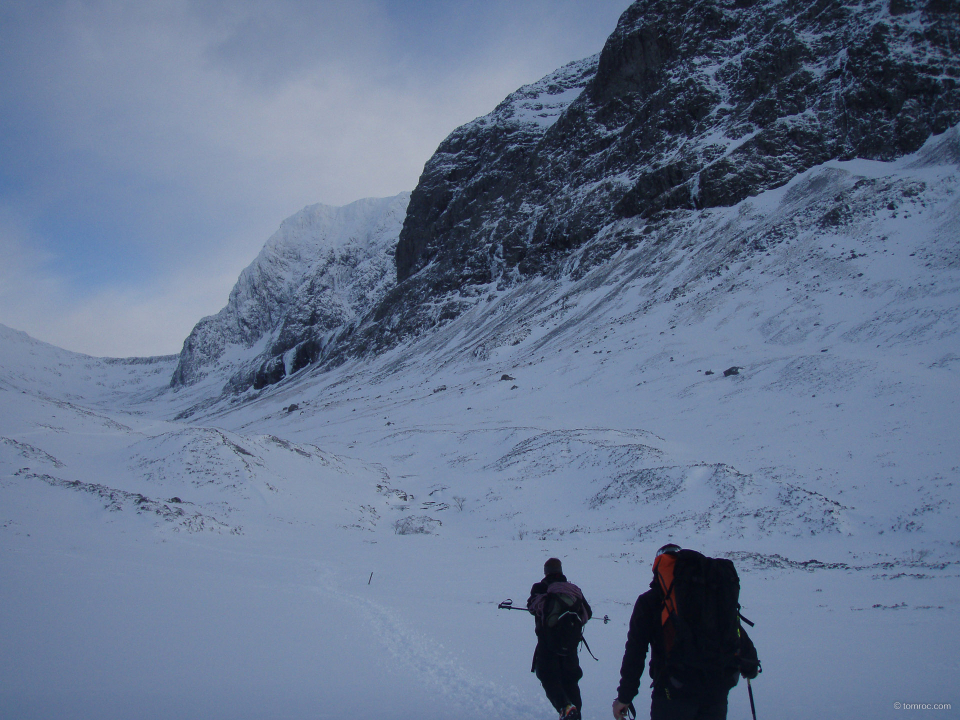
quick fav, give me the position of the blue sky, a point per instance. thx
(148, 149)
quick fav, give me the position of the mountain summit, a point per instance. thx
(315, 278)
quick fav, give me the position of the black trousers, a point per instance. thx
(714, 708)
(560, 676)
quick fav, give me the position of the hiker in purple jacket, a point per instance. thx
(560, 611)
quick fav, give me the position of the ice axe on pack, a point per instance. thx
(508, 605)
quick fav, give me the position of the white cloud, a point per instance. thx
(113, 322)
(120, 320)
(130, 321)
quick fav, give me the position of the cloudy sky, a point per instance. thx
(148, 148)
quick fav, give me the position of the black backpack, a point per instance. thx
(699, 624)
(562, 622)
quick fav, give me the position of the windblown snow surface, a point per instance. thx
(335, 546)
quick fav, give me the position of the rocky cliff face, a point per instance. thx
(468, 188)
(692, 104)
(312, 282)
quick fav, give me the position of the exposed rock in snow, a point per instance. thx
(475, 171)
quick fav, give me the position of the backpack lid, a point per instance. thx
(669, 548)
(538, 603)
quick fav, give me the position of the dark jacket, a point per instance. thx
(645, 630)
(540, 588)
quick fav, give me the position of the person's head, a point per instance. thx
(553, 567)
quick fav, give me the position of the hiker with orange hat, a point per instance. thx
(690, 619)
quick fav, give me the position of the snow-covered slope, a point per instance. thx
(315, 277)
(32, 366)
(347, 533)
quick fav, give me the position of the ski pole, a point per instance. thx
(753, 708)
(508, 605)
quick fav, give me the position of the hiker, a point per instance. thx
(690, 619)
(560, 611)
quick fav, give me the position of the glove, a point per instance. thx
(749, 669)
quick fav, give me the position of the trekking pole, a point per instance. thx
(753, 708)
(508, 605)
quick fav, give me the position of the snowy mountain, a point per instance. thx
(772, 378)
(690, 105)
(314, 279)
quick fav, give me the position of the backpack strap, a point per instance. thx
(663, 571)
(663, 568)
